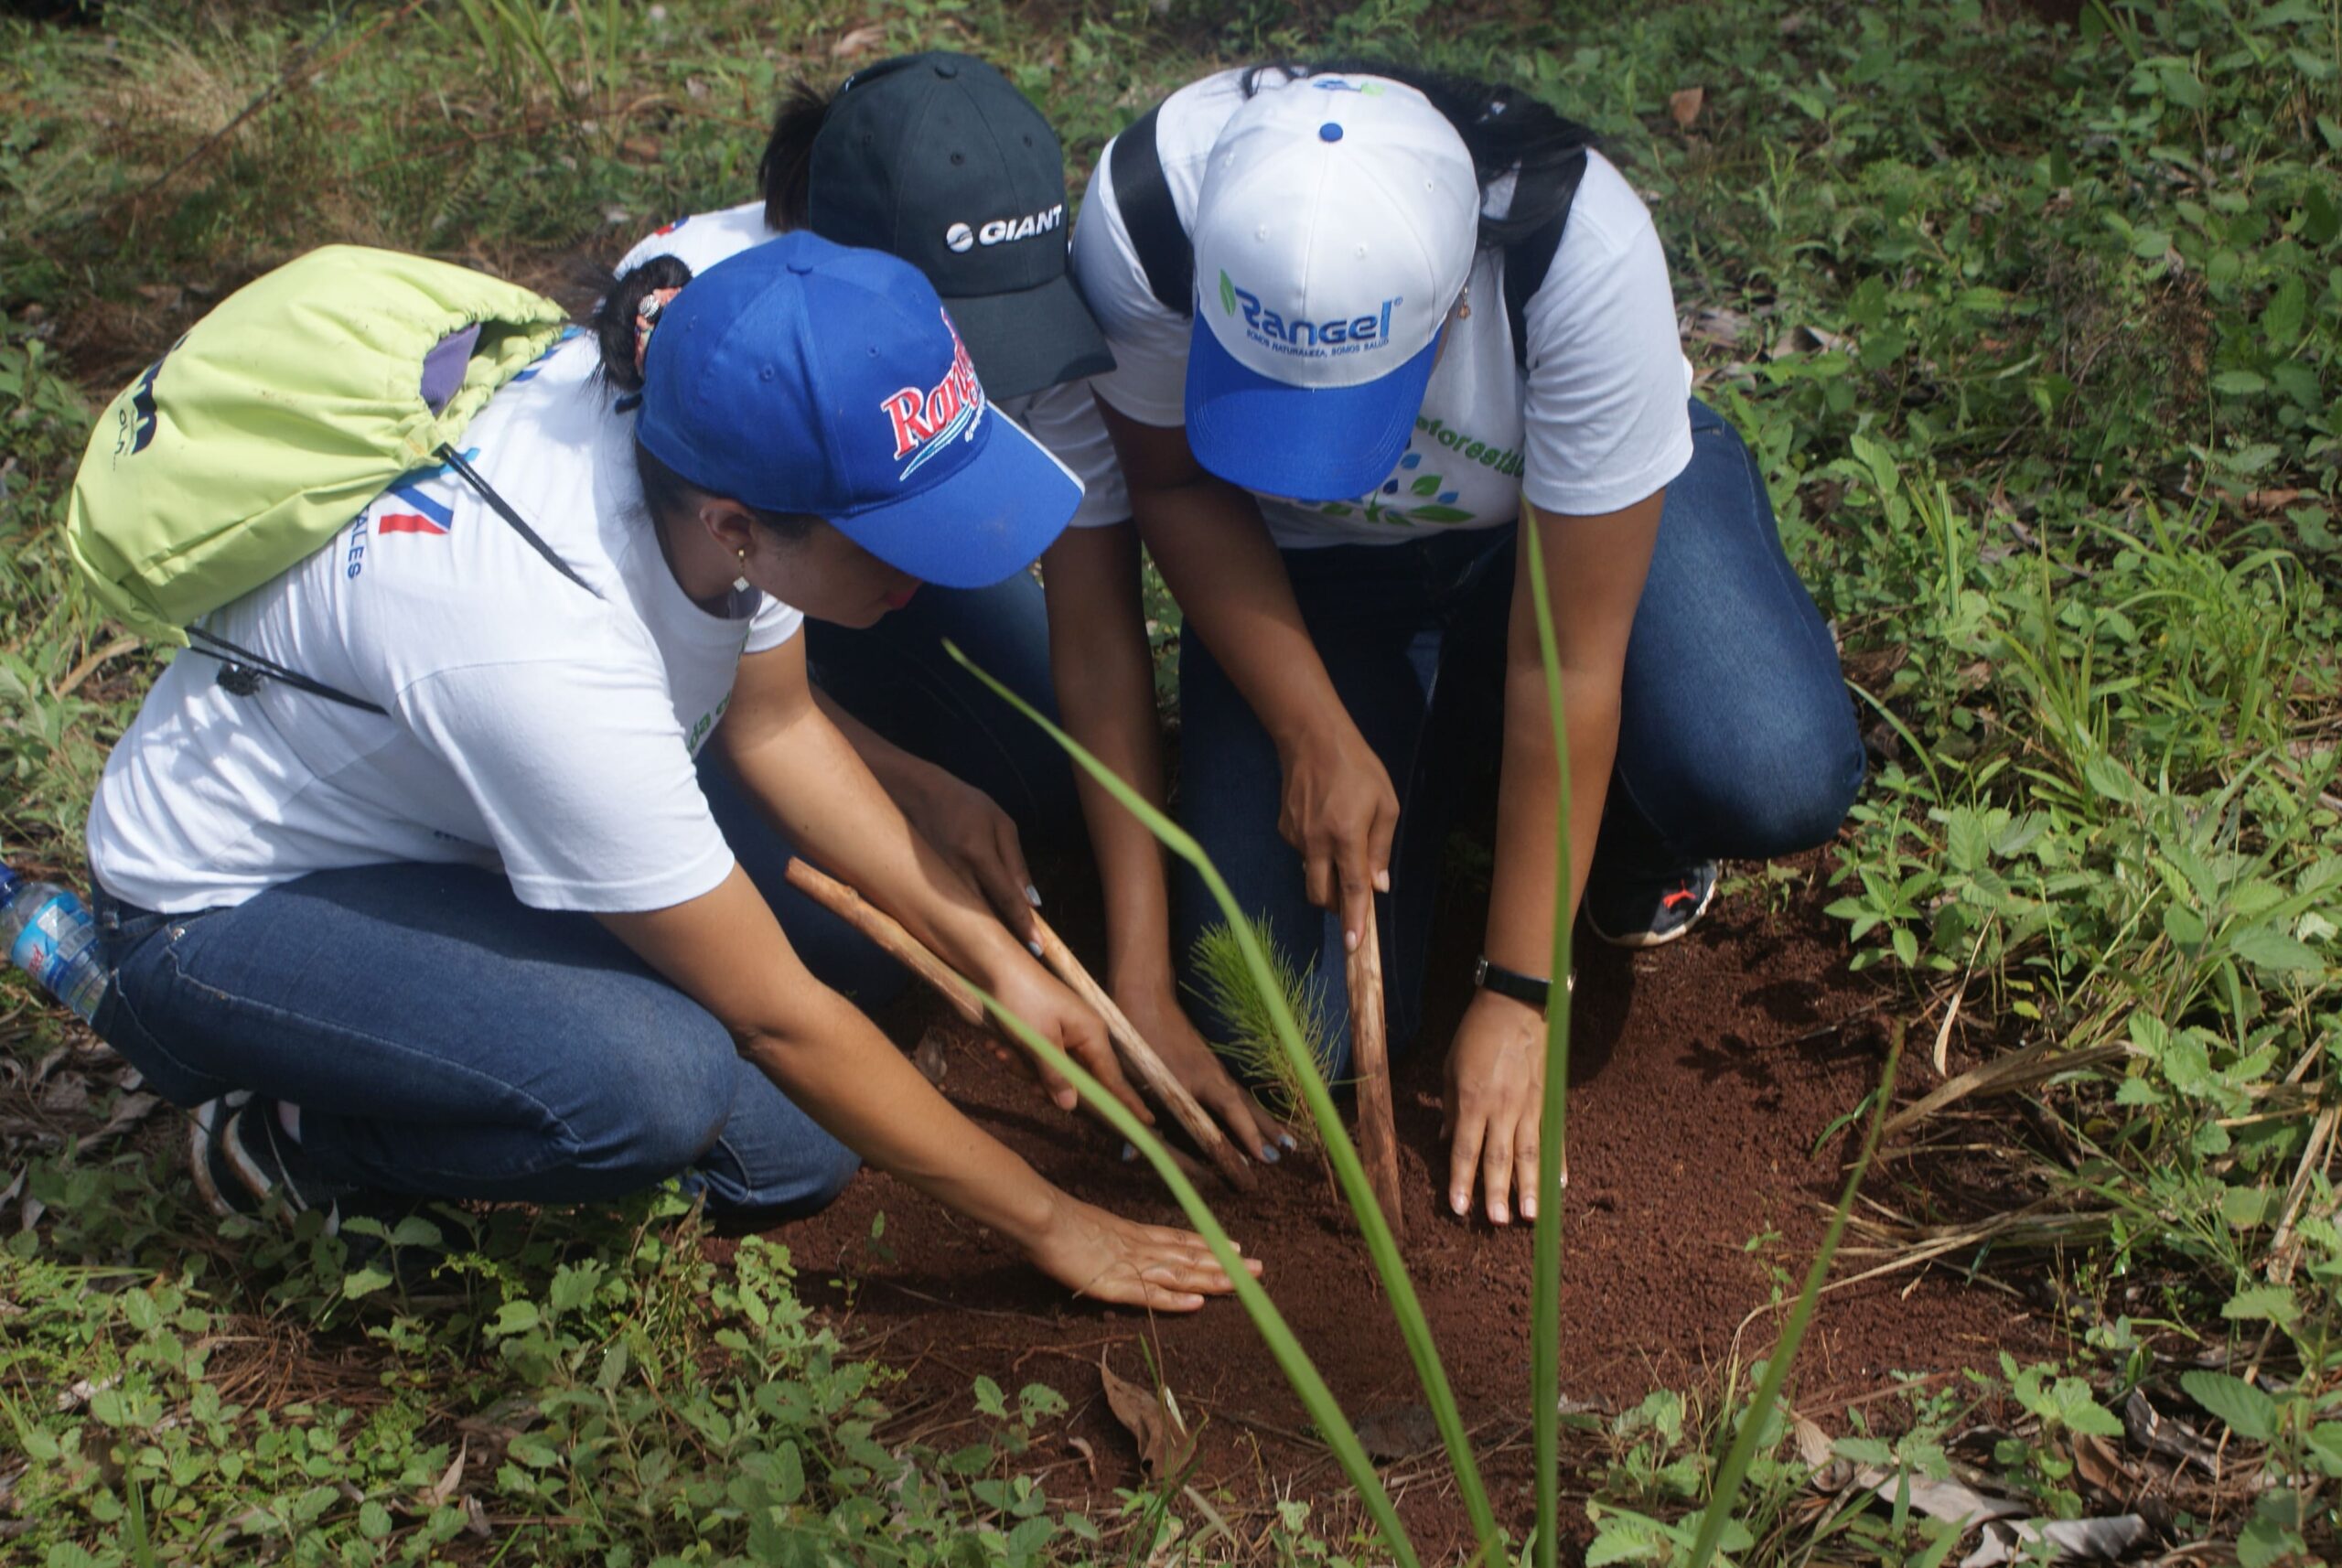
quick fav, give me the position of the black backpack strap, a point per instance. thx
(504, 510)
(1528, 258)
(242, 670)
(1149, 217)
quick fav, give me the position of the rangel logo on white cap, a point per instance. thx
(1339, 225)
(1336, 335)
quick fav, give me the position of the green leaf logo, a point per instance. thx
(1227, 294)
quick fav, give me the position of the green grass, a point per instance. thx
(2034, 335)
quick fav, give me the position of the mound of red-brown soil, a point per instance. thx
(1710, 1084)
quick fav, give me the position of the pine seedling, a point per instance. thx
(1224, 982)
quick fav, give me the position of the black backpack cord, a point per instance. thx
(242, 670)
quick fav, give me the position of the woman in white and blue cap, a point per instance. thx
(1335, 411)
(484, 938)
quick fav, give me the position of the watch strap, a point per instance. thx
(1525, 988)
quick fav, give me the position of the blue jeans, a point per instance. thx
(1736, 737)
(444, 1040)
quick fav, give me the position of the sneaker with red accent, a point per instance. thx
(1648, 914)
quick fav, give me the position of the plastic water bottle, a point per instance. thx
(47, 933)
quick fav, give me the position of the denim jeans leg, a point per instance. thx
(444, 1040)
(1737, 737)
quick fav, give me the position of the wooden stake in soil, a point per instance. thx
(1378, 1139)
(1152, 1074)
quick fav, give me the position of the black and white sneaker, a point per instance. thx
(245, 1163)
(1650, 914)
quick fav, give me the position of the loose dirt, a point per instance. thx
(1704, 1076)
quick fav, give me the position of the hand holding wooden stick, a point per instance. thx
(1152, 1073)
(1378, 1139)
(1137, 1055)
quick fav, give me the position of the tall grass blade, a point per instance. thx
(1776, 1366)
(1339, 1151)
(1298, 1369)
(1545, 1251)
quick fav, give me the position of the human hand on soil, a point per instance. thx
(1496, 1085)
(1107, 1258)
(977, 839)
(1339, 810)
(1028, 990)
(1155, 1011)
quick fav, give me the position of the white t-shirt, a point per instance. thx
(533, 728)
(1061, 418)
(1599, 422)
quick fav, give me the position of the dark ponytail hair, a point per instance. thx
(613, 322)
(666, 492)
(787, 172)
(1504, 128)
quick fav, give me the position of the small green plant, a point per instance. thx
(1224, 982)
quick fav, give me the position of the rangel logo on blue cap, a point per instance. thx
(807, 377)
(953, 408)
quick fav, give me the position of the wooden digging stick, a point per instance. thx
(906, 949)
(1370, 1059)
(1149, 1068)
(887, 932)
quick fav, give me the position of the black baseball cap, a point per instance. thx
(936, 158)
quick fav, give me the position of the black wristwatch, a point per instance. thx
(1511, 983)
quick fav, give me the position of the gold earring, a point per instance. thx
(740, 583)
(1463, 306)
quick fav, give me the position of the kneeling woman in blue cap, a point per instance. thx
(489, 942)
(1354, 364)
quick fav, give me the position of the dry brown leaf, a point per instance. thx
(1089, 1456)
(860, 41)
(443, 1491)
(128, 1111)
(476, 1520)
(1152, 1418)
(1399, 1432)
(1812, 1444)
(2099, 1465)
(1685, 105)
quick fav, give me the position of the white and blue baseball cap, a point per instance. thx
(802, 376)
(1335, 230)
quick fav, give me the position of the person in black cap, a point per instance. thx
(938, 159)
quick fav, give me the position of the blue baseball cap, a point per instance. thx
(802, 376)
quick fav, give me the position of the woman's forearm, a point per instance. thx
(1105, 676)
(832, 1061)
(1529, 797)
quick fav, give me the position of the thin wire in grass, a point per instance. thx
(1224, 982)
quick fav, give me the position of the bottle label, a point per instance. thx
(57, 949)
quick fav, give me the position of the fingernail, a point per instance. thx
(1497, 1212)
(1288, 1139)
(1382, 881)
(1269, 1153)
(1458, 1200)
(1529, 1209)
(1033, 946)
(1130, 1151)
(1349, 942)
(1032, 895)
